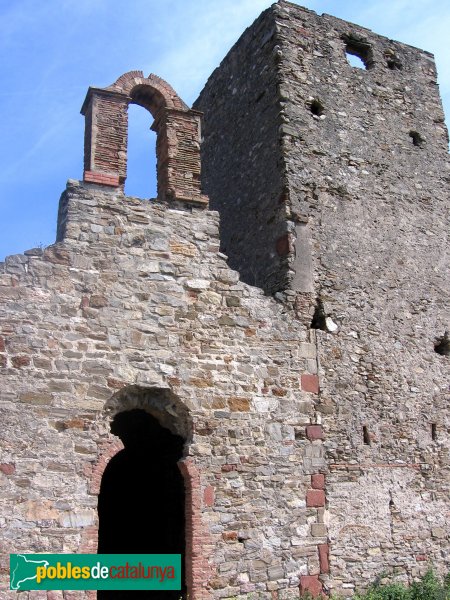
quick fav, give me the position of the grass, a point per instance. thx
(430, 587)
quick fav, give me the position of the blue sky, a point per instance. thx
(54, 49)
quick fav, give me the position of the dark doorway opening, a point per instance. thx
(141, 501)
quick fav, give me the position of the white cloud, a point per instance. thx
(213, 28)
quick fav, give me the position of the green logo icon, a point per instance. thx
(23, 571)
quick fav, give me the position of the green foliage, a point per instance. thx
(392, 591)
(430, 587)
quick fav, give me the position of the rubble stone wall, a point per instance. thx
(364, 164)
(135, 306)
(377, 204)
(241, 157)
(314, 406)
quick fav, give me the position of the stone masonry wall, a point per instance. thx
(378, 210)
(366, 171)
(241, 158)
(135, 306)
(332, 184)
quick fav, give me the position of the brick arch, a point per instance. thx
(165, 95)
(173, 414)
(161, 403)
(176, 125)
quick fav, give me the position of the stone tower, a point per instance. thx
(300, 358)
(332, 186)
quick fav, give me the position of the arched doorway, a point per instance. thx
(141, 503)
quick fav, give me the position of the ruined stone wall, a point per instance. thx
(366, 170)
(377, 202)
(316, 422)
(241, 158)
(134, 306)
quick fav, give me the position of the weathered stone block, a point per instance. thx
(8, 468)
(318, 530)
(230, 536)
(238, 404)
(20, 361)
(233, 301)
(98, 301)
(42, 398)
(438, 532)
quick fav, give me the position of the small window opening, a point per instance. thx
(417, 139)
(355, 61)
(358, 51)
(319, 317)
(317, 108)
(141, 164)
(433, 432)
(394, 64)
(442, 345)
(366, 436)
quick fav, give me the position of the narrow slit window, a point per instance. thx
(433, 432)
(319, 320)
(366, 436)
(442, 345)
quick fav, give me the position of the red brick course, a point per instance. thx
(8, 468)
(198, 569)
(310, 584)
(318, 481)
(315, 498)
(101, 178)
(324, 551)
(208, 496)
(314, 432)
(310, 383)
